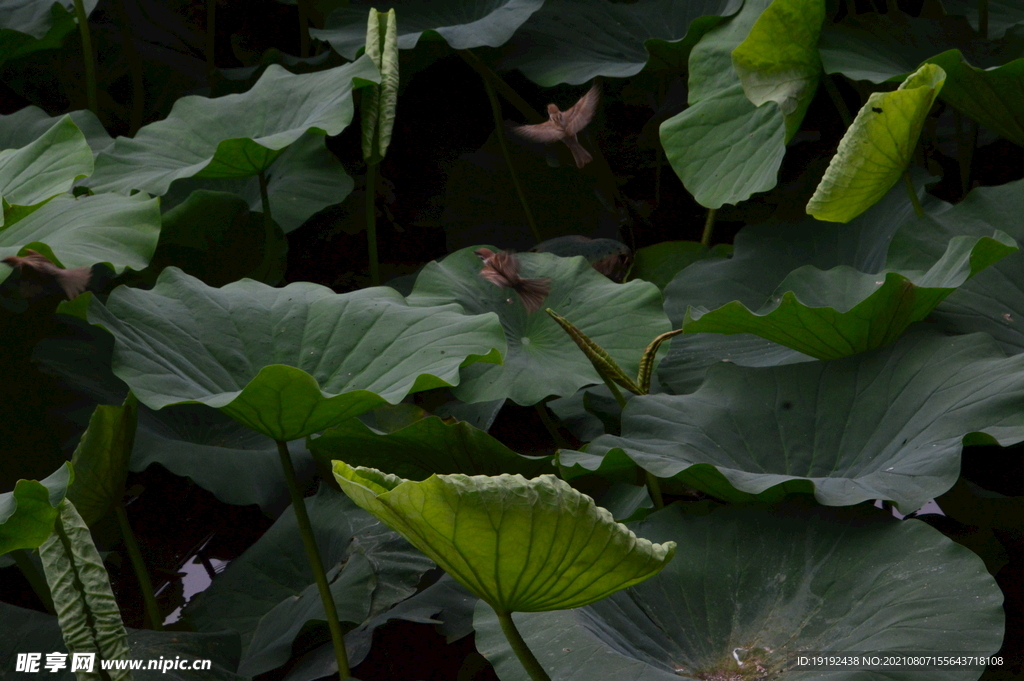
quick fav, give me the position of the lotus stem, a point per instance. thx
(522, 651)
(268, 221)
(616, 393)
(35, 580)
(709, 228)
(156, 620)
(654, 488)
(313, 554)
(504, 88)
(371, 222)
(499, 130)
(135, 67)
(916, 202)
(545, 418)
(87, 56)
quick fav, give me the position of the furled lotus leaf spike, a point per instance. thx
(602, 361)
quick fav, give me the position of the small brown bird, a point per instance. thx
(40, 277)
(563, 126)
(502, 269)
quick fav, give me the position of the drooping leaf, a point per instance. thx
(463, 24)
(119, 230)
(28, 512)
(520, 545)
(875, 151)
(33, 17)
(722, 147)
(89, 617)
(993, 97)
(572, 41)
(778, 60)
(262, 588)
(840, 312)
(425, 447)
(881, 425)
(101, 459)
(770, 584)
(235, 136)
(542, 360)
(285, 362)
(1002, 14)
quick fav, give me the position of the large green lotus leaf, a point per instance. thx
(425, 447)
(101, 459)
(200, 231)
(305, 179)
(542, 359)
(31, 630)
(574, 41)
(993, 301)
(235, 136)
(286, 362)
(260, 588)
(1002, 14)
(521, 545)
(463, 24)
(842, 311)
(28, 512)
(881, 425)
(236, 464)
(778, 60)
(28, 124)
(764, 256)
(121, 231)
(765, 585)
(888, 47)
(723, 148)
(876, 149)
(45, 167)
(994, 97)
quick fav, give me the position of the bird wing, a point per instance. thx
(581, 113)
(541, 132)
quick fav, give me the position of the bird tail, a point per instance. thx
(581, 155)
(533, 292)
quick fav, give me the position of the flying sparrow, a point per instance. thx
(502, 269)
(39, 276)
(562, 126)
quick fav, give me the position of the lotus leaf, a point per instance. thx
(520, 545)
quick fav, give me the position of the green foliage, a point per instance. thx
(815, 208)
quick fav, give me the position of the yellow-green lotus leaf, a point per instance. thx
(520, 545)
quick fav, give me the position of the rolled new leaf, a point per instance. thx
(378, 107)
(877, 148)
(520, 545)
(602, 361)
(27, 513)
(88, 614)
